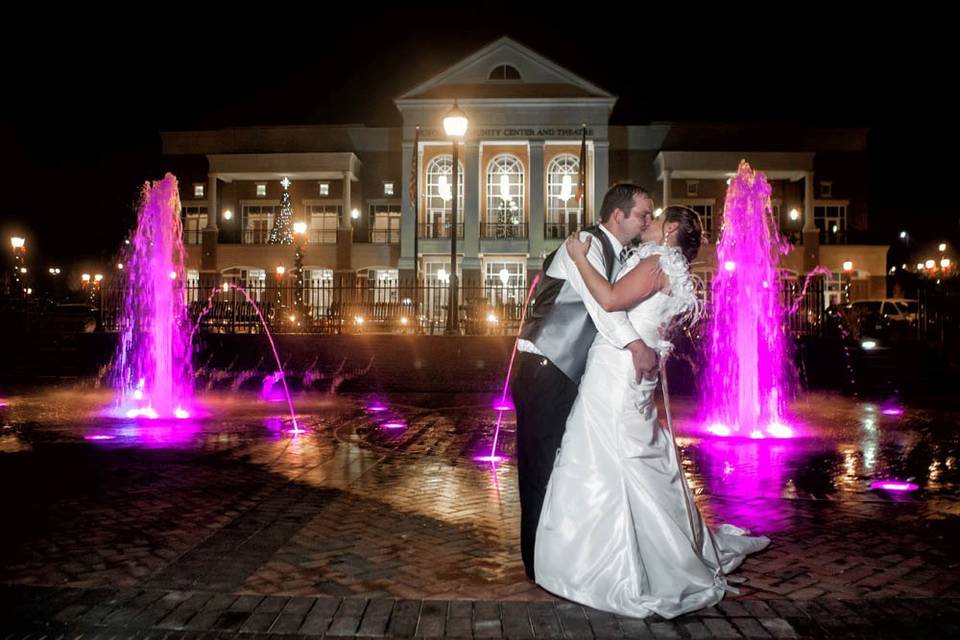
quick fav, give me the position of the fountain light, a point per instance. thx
(393, 424)
(146, 412)
(718, 429)
(173, 275)
(756, 435)
(99, 436)
(780, 430)
(181, 413)
(893, 485)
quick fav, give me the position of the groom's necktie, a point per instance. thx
(623, 255)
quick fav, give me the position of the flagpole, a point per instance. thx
(582, 175)
(416, 206)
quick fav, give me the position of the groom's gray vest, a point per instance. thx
(558, 322)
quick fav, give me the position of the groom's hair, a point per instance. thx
(620, 196)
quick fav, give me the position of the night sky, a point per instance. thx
(79, 125)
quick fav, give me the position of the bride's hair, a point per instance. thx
(690, 231)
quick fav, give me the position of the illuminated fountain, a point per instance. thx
(746, 374)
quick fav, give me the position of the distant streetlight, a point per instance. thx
(794, 215)
(17, 243)
(848, 266)
(943, 246)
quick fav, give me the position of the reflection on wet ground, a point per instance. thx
(382, 496)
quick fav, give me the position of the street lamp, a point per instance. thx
(794, 215)
(455, 126)
(848, 265)
(18, 269)
(943, 246)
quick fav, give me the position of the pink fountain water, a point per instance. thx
(279, 374)
(746, 375)
(152, 371)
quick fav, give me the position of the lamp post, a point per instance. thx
(19, 282)
(455, 126)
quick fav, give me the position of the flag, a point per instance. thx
(582, 174)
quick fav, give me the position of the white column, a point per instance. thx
(537, 205)
(667, 176)
(408, 222)
(345, 220)
(470, 216)
(808, 222)
(212, 212)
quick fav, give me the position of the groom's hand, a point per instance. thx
(645, 360)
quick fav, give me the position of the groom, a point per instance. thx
(562, 323)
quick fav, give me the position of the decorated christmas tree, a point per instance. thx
(282, 230)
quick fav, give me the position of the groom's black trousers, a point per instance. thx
(543, 397)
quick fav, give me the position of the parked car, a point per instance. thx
(883, 321)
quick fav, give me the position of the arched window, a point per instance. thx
(505, 190)
(505, 72)
(439, 197)
(563, 208)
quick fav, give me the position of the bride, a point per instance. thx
(619, 530)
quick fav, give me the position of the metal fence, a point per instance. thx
(332, 307)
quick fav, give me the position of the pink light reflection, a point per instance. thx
(893, 485)
(493, 459)
(393, 424)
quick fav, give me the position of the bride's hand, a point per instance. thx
(577, 248)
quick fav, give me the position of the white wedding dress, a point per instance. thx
(619, 530)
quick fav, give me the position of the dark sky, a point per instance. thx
(84, 102)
